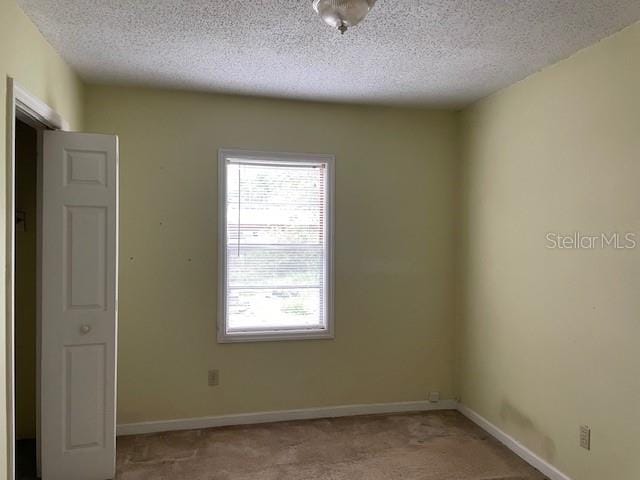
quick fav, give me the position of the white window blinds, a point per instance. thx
(277, 245)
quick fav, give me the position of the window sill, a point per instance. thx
(282, 336)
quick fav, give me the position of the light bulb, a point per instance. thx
(342, 14)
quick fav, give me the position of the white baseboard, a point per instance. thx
(512, 444)
(344, 411)
(281, 416)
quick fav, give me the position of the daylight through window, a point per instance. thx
(277, 246)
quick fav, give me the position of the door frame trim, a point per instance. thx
(29, 108)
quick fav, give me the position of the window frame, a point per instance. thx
(273, 335)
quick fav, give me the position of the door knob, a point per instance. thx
(84, 329)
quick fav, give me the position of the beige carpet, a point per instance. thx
(423, 446)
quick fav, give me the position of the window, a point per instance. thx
(276, 246)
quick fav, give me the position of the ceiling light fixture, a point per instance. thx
(342, 14)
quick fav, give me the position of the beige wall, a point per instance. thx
(394, 278)
(550, 338)
(27, 57)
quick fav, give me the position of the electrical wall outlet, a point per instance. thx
(585, 437)
(214, 378)
(434, 397)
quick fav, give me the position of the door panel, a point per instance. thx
(79, 305)
(85, 243)
(84, 402)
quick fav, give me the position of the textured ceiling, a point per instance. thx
(438, 53)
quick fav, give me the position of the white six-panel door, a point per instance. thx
(79, 234)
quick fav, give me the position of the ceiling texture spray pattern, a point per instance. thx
(442, 53)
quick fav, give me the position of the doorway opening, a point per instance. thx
(25, 300)
(29, 118)
(72, 291)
